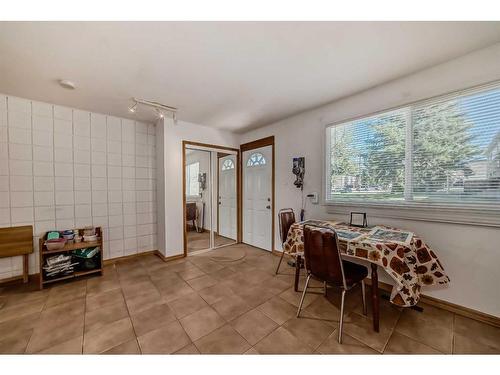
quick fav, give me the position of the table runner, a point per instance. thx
(411, 265)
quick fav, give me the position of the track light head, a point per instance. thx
(133, 108)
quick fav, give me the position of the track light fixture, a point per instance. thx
(133, 108)
(159, 108)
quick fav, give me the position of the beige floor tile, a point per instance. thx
(432, 314)
(308, 330)
(254, 326)
(349, 345)
(187, 304)
(293, 297)
(361, 328)
(16, 327)
(191, 273)
(12, 299)
(251, 351)
(21, 309)
(223, 274)
(15, 344)
(109, 336)
(175, 291)
(224, 340)
(215, 293)
(49, 335)
(151, 319)
(255, 295)
(130, 270)
(275, 285)
(165, 340)
(210, 267)
(231, 307)
(73, 346)
(466, 345)
(481, 333)
(142, 287)
(202, 282)
(128, 347)
(278, 310)
(132, 280)
(96, 319)
(429, 332)
(281, 341)
(101, 286)
(401, 344)
(202, 323)
(98, 301)
(164, 275)
(323, 309)
(188, 349)
(256, 276)
(66, 293)
(143, 301)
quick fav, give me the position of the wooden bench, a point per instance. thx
(16, 241)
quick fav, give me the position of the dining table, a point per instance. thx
(403, 255)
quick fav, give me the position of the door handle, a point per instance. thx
(268, 207)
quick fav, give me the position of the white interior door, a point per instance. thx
(257, 194)
(227, 196)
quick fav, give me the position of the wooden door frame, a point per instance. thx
(238, 187)
(267, 141)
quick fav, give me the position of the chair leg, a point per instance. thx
(363, 296)
(324, 284)
(303, 295)
(279, 264)
(341, 324)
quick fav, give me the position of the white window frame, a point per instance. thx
(474, 214)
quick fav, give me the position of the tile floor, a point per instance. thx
(201, 241)
(198, 305)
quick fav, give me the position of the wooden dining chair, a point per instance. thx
(286, 217)
(323, 262)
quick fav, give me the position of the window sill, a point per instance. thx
(476, 215)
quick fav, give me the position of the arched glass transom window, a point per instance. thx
(256, 159)
(228, 164)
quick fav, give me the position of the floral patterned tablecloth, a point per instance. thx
(411, 265)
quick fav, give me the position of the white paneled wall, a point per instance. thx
(62, 168)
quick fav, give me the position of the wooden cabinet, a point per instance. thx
(68, 249)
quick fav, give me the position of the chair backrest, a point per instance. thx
(191, 211)
(322, 254)
(286, 218)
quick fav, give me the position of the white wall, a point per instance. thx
(171, 231)
(62, 168)
(470, 254)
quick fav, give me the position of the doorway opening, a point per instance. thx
(210, 196)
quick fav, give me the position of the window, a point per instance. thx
(227, 164)
(445, 150)
(192, 184)
(256, 159)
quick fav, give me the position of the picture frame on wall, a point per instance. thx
(358, 219)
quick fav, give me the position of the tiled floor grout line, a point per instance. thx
(84, 313)
(392, 332)
(176, 318)
(453, 333)
(33, 330)
(411, 338)
(128, 311)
